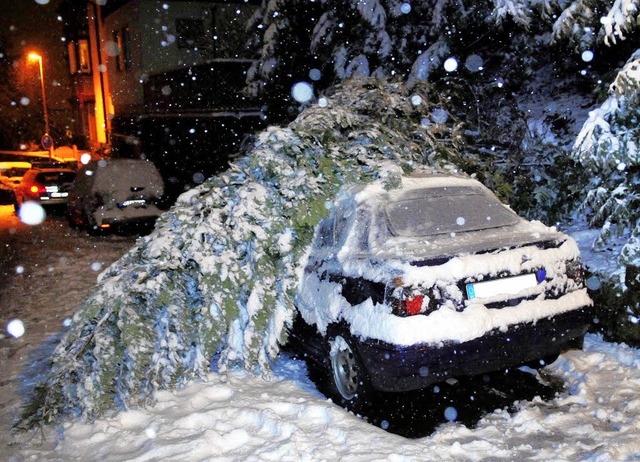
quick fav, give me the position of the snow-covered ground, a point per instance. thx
(239, 416)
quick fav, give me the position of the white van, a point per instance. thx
(111, 194)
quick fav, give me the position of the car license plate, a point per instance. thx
(59, 194)
(134, 202)
(505, 286)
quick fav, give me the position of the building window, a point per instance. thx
(191, 34)
(84, 62)
(122, 39)
(79, 58)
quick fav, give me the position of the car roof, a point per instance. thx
(377, 191)
(8, 165)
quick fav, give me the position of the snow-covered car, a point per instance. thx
(111, 194)
(47, 186)
(435, 279)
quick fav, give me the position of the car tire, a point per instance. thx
(347, 383)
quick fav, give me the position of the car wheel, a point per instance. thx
(348, 381)
(74, 217)
(91, 226)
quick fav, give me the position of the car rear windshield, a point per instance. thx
(433, 211)
(55, 177)
(13, 172)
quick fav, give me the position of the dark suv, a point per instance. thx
(435, 279)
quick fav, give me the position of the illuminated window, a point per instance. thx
(84, 61)
(79, 57)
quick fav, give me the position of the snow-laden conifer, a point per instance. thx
(214, 282)
(608, 146)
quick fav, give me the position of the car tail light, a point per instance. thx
(413, 304)
(36, 190)
(408, 301)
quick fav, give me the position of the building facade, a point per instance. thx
(165, 79)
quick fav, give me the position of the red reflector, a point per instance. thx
(414, 305)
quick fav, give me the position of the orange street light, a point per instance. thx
(37, 57)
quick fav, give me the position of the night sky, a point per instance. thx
(26, 26)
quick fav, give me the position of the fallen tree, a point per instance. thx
(215, 282)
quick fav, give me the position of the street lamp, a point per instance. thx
(46, 139)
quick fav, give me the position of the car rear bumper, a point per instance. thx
(402, 368)
(127, 216)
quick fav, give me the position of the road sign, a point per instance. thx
(46, 141)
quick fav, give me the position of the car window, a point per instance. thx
(362, 228)
(13, 171)
(341, 225)
(55, 177)
(434, 211)
(324, 236)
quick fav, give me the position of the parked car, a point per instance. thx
(48, 186)
(408, 287)
(114, 194)
(12, 172)
(10, 175)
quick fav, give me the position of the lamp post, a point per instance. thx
(46, 139)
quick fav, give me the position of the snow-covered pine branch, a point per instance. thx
(621, 18)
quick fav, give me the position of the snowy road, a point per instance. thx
(47, 270)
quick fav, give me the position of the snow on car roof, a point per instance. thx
(121, 177)
(432, 212)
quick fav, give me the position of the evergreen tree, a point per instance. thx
(607, 143)
(608, 147)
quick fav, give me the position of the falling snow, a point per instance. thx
(451, 64)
